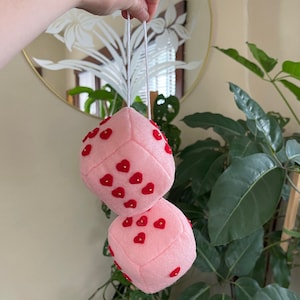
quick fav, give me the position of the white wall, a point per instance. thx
(51, 227)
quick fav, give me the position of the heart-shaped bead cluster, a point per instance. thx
(128, 164)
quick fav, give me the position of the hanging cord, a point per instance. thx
(147, 70)
(128, 61)
(129, 66)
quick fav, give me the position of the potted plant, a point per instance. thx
(236, 190)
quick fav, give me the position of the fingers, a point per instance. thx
(142, 10)
(140, 13)
(152, 7)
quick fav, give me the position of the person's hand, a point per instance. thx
(142, 10)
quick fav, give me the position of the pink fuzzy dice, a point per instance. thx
(127, 163)
(153, 249)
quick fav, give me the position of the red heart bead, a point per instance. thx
(168, 149)
(93, 133)
(127, 222)
(160, 223)
(175, 272)
(130, 204)
(105, 134)
(118, 192)
(140, 238)
(127, 277)
(148, 189)
(111, 251)
(104, 121)
(87, 150)
(157, 135)
(106, 180)
(142, 221)
(136, 178)
(123, 166)
(117, 265)
(154, 123)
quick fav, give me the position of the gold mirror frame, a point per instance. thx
(52, 89)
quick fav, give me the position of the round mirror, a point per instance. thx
(82, 58)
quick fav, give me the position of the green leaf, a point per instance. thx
(117, 275)
(282, 121)
(293, 88)
(80, 89)
(246, 288)
(172, 134)
(280, 268)
(253, 183)
(292, 68)
(268, 63)
(234, 54)
(197, 291)
(275, 292)
(102, 95)
(292, 233)
(140, 107)
(264, 123)
(242, 146)
(194, 168)
(293, 151)
(241, 255)
(261, 266)
(199, 146)
(106, 210)
(105, 249)
(210, 120)
(220, 297)
(208, 258)
(210, 177)
(165, 109)
(138, 295)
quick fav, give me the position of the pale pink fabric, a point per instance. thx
(127, 163)
(155, 248)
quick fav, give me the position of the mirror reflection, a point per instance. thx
(82, 50)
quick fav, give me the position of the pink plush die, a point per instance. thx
(153, 249)
(127, 162)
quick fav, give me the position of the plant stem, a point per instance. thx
(98, 289)
(285, 101)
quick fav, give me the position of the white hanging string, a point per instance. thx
(128, 61)
(129, 66)
(147, 70)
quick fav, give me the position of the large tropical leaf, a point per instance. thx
(234, 54)
(275, 292)
(194, 168)
(244, 198)
(241, 255)
(199, 146)
(220, 297)
(292, 68)
(280, 266)
(208, 258)
(213, 172)
(165, 108)
(293, 88)
(208, 120)
(242, 146)
(268, 63)
(293, 151)
(267, 125)
(197, 291)
(246, 288)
